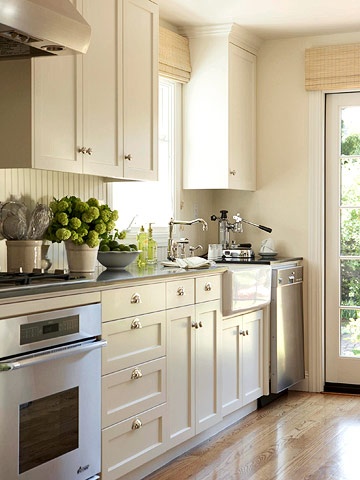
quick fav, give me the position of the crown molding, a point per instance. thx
(234, 32)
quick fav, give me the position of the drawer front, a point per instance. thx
(133, 390)
(133, 442)
(130, 301)
(180, 293)
(207, 288)
(133, 340)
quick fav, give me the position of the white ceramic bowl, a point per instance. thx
(116, 260)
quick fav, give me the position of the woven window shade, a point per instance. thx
(174, 56)
(336, 67)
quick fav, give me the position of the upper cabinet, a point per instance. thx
(94, 113)
(220, 109)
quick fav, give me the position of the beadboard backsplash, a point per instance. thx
(40, 186)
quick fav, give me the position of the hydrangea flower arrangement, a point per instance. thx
(79, 221)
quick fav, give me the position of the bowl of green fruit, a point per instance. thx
(114, 254)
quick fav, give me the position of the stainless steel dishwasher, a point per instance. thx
(286, 328)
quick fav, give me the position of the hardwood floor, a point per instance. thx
(300, 436)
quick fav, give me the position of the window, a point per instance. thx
(141, 203)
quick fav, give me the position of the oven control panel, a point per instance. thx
(38, 331)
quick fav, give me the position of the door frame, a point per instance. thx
(316, 239)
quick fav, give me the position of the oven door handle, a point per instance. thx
(53, 354)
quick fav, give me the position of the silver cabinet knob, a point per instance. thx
(137, 424)
(208, 287)
(135, 298)
(136, 374)
(128, 157)
(181, 291)
(135, 324)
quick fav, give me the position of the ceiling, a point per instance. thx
(268, 19)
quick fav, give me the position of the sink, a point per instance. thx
(245, 287)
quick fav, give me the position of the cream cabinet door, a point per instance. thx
(207, 362)
(140, 88)
(242, 360)
(242, 119)
(180, 343)
(102, 143)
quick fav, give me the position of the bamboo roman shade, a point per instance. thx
(335, 67)
(174, 56)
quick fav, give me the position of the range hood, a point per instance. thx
(41, 27)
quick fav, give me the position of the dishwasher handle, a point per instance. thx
(53, 354)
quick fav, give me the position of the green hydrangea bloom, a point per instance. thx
(62, 218)
(90, 215)
(63, 234)
(74, 223)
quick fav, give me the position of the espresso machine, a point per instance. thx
(233, 250)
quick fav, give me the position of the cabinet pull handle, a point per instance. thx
(137, 373)
(208, 287)
(136, 425)
(233, 172)
(247, 332)
(195, 325)
(89, 151)
(200, 324)
(128, 157)
(82, 149)
(135, 298)
(181, 291)
(136, 324)
(242, 333)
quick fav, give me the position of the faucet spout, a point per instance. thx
(171, 248)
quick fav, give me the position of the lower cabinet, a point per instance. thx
(242, 360)
(193, 370)
(173, 367)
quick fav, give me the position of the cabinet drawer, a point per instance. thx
(129, 301)
(180, 293)
(133, 390)
(126, 446)
(133, 340)
(208, 288)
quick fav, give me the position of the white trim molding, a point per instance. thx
(316, 283)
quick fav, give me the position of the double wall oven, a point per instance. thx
(50, 391)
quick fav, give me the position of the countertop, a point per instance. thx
(104, 279)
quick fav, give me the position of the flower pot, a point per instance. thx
(23, 255)
(81, 258)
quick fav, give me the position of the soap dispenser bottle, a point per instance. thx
(152, 247)
(142, 240)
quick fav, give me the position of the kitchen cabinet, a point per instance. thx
(220, 110)
(94, 113)
(134, 390)
(242, 360)
(193, 359)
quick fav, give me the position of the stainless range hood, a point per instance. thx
(41, 27)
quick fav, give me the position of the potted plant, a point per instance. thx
(81, 225)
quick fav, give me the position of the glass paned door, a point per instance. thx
(342, 275)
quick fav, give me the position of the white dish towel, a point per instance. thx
(189, 262)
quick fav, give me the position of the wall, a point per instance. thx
(39, 186)
(281, 199)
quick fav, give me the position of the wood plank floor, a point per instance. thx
(300, 436)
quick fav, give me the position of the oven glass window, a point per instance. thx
(49, 427)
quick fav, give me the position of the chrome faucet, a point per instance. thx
(171, 250)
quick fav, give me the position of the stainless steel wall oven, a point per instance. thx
(50, 374)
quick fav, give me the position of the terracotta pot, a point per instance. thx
(81, 258)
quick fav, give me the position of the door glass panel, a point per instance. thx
(350, 231)
(49, 427)
(350, 333)
(350, 181)
(350, 284)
